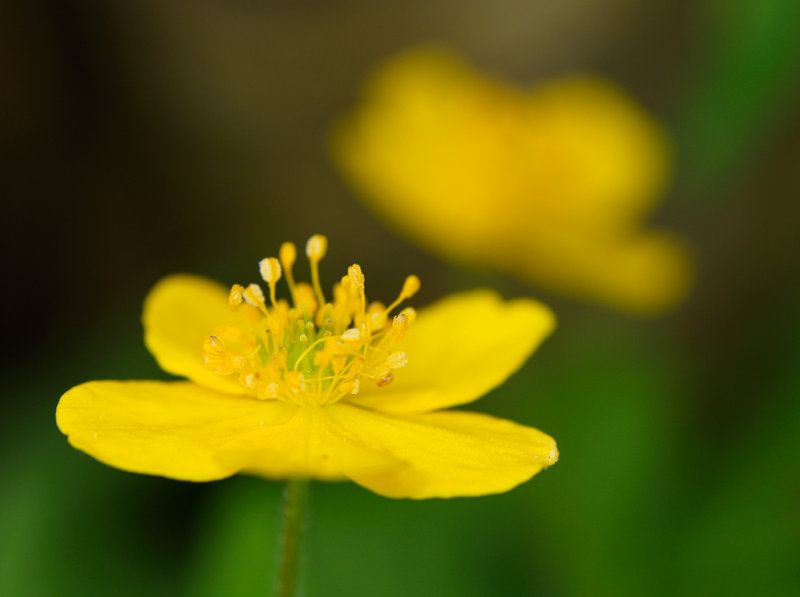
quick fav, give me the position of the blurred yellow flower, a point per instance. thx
(309, 389)
(550, 184)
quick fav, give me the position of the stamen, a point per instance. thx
(296, 381)
(270, 270)
(271, 273)
(235, 296)
(356, 277)
(410, 313)
(397, 360)
(253, 295)
(349, 387)
(305, 300)
(399, 328)
(384, 379)
(348, 340)
(266, 391)
(376, 317)
(215, 343)
(338, 364)
(410, 288)
(316, 247)
(308, 349)
(288, 255)
(351, 335)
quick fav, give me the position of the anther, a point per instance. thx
(316, 247)
(356, 276)
(296, 381)
(410, 313)
(349, 387)
(235, 296)
(270, 270)
(384, 379)
(266, 391)
(410, 287)
(253, 295)
(215, 343)
(288, 255)
(397, 360)
(338, 363)
(375, 316)
(400, 327)
(345, 282)
(357, 365)
(351, 335)
(304, 299)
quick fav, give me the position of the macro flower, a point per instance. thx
(551, 184)
(315, 388)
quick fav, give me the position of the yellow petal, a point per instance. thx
(179, 313)
(594, 159)
(421, 151)
(183, 431)
(445, 454)
(646, 274)
(459, 349)
(548, 183)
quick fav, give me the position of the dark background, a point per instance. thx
(141, 139)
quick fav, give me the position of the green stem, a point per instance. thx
(293, 521)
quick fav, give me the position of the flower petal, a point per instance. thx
(551, 184)
(179, 313)
(445, 454)
(597, 160)
(425, 148)
(183, 431)
(459, 349)
(645, 273)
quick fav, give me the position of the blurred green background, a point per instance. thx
(141, 139)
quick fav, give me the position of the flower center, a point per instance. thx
(312, 351)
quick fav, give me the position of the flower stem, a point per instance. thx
(293, 522)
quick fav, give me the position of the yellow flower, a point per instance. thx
(550, 184)
(334, 390)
